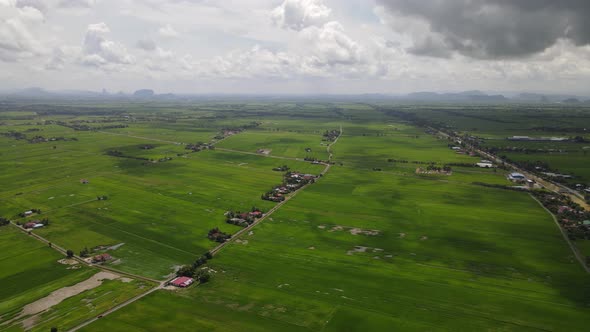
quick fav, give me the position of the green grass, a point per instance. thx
(281, 143)
(89, 304)
(446, 257)
(370, 246)
(29, 271)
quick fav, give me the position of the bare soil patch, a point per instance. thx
(35, 308)
(264, 151)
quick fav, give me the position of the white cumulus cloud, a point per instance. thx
(99, 51)
(18, 37)
(168, 31)
(299, 14)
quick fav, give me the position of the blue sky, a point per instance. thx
(294, 46)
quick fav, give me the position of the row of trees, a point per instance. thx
(195, 270)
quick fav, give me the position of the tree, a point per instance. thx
(200, 261)
(208, 255)
(203, 276)
(53, 329)
(50, 245)
(84, 252)
(185, 271)
(70, 253)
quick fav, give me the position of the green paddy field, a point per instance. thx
(371, 246)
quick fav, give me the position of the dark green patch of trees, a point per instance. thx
(84, 252)
(218, 236)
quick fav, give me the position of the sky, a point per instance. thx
(296, 46)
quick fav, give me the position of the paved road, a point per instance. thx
(117, 307)
(555, 187)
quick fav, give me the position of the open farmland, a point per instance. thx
(37, 280)
(373, 246)
(379, 242)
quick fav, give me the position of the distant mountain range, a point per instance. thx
(476, 96)
(473, 96)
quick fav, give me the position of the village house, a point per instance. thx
(29, 225)
(84, 181)
(255, 214)
(182, 282)
(483, 164)
(516, 177)
(28, 213)
(101, 258)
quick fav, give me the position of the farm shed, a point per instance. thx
(516, 177)
(182, 282)
(101, 258)
(485, 165)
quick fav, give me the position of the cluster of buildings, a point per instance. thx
(243, 219)
(292, 182)
(460, 150)
(574, 221)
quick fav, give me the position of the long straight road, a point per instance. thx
(555, 187)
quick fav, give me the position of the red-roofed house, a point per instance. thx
(256, 214)
(182, 282)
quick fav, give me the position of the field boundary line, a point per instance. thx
(144, 238)
(79, 259)
(140, 137)
(115, 308)
(258, 154)
(565, 237)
